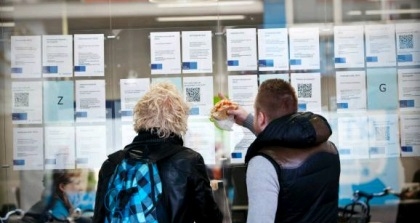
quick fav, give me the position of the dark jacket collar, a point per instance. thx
(147, 144)
(298, 130)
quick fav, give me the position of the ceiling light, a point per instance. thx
(395, 11)
(7, 24)
(7, 9)
(180, 1)
(356, 12)
(200, 18)
(203, 4)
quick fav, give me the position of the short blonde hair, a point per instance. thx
(162, 110)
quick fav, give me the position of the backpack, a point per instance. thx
(135, 187)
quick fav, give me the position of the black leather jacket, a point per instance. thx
(187, 195)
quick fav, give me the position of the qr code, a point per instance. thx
(193, 94)
(406, 41)
(304, 90)
(382, 133)
(21, 99)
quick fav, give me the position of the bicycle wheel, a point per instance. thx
(355, 212)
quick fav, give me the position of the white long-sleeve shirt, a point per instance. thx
(262, 186)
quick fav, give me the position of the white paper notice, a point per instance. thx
(127, 134)
(240, 139)
(408, 43)
(59, 147)
(273, 49)
(332, 118)
(198, 92)
(90, 101)
(308, 90)
(27, 102)
(89, 57)
(241, 49)
(90, 146)
(131, 91)
(202, 141)
(383, 136)
(304, 48)
(57, 56)
(28, 151)
(380, 45)
(197, 56)
(410, 135)
(409, 89)
(349, 49)
(243, 90)
(352, 139)
(165, 53)
(26, 56)
(351, 90)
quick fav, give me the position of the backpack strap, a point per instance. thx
(108, 168)
(113, 160)
(117, 156)
(165, 150)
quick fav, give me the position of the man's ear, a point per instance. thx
(262, 119)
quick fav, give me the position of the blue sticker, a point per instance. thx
(126, 113)
(19, 116)
(156, 66)
(266, 63)
(233, 63)
(194, 111)
(342, 105)
(295, 62)
(344, 151)
(17, 70)
(81, 114)
(407, 148)
(302, 107)
(340, 60)
(406, 103)
(405, 58)
(50, 69)
(82, 160)
(189, 65)
(80, 68)
(371, 59)
(236, 155)
(19, 162)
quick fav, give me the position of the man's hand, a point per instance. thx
(239, 114)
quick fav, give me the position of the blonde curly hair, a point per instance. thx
(162, 110)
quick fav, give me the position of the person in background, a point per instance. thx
(60, 199)
(412, 192)
(293, 170)
(416, 177)
(160, 118)
(87, 198)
